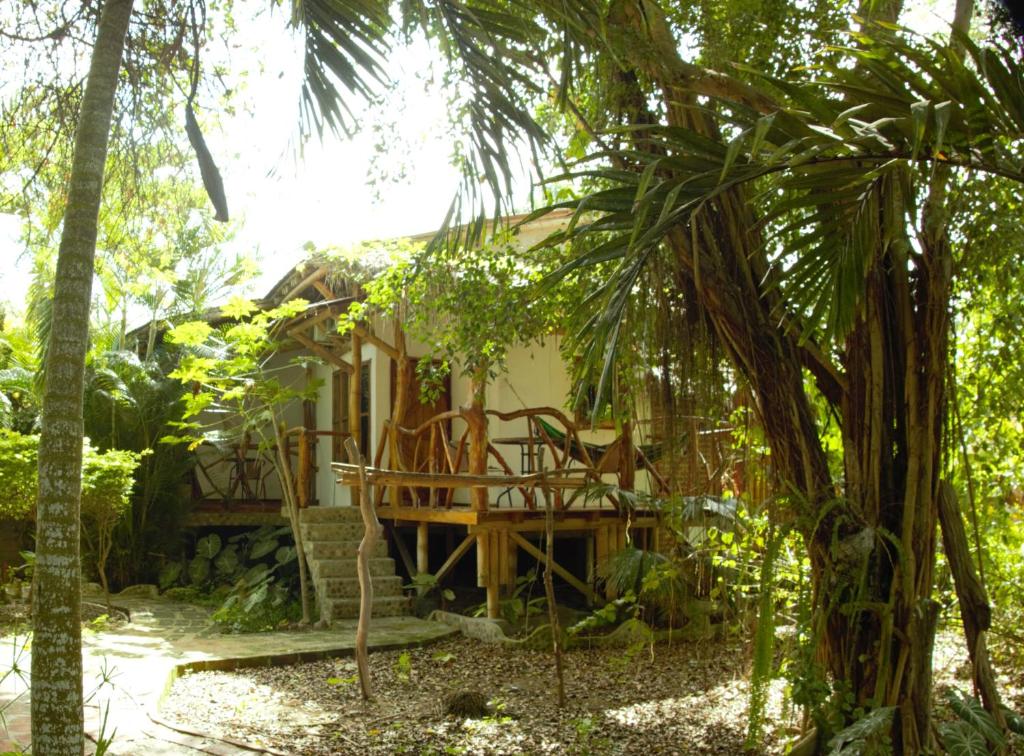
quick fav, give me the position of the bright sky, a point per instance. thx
(281, 200)
(324, 197)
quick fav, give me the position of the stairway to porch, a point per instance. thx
(331, 536)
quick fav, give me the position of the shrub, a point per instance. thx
(107, 480)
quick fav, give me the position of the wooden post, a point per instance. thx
(486, 570)
(354, 399)
(495, 575)
(477, 422)
(422, 548)
(398, 410)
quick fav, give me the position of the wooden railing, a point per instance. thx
(433, 454)
(238, 473)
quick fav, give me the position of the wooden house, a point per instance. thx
(450, 477)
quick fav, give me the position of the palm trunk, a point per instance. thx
(57, 724)
(872, 550)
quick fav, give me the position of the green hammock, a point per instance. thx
(652, 452)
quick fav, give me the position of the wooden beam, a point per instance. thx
(324, 289)
(422, 514)
(403, 551)
(455, 556)
(571, 579)
(319, 351)
(326, 313)
(305, 283)
(378, 342)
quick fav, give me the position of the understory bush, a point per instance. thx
(107, 481)
(252, 576)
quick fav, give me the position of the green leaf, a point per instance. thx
(208, 546)
(1014, 721)
(199, 569)
(262, 547)
(255, 574)
(919, 113)
(971, 711)
(872, 725)
(227, 561)
(960, 739)
(285, 554)
(169, 575)
(238, 307)
(194, 333)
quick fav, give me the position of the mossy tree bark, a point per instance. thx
(57, 724)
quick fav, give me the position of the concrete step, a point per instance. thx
(332, 531)
(348, 587)
(312, 515)
(320, 550)
(348, 608)
(330, 568)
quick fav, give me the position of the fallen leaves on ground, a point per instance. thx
(684, 699)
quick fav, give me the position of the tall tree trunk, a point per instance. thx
(57, 643)
(872, 550)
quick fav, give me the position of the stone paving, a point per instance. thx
(129, 667)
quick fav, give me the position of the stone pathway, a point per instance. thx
(128, 668)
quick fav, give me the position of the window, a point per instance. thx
(340, 418)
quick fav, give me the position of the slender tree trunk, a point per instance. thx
(289, 495)
(549, 592)
(57, 724)
(371, 534)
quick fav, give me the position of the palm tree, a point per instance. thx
(782, 280)
(806, 225)
(56, 647)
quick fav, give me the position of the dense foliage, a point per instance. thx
(107, 478)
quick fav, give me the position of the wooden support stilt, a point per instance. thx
(494, 579)
(536, 553)
(482, 542)
(422, 548)
(403, 552)
(487, 570)
(455, 556)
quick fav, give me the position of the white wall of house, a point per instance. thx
(535, 377)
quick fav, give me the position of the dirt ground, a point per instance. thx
(684, 699)
(681, 699)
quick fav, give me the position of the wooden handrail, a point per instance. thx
(551, 478)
